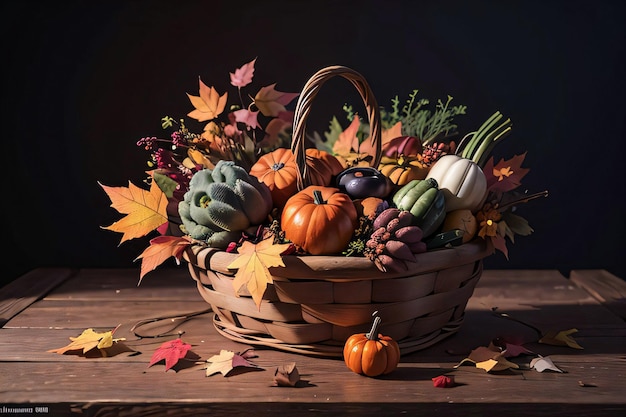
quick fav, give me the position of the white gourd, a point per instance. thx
(462, 182)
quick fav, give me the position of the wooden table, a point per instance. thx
(45, 307)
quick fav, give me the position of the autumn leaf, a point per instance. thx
(145, 210)
(253, 265)
(271, 101)
(275, 131)
(348, 142)
(195, 157)
(386, 137)
(485, 358)
(243, 76)
(443, 381)
(506, 175)
(517, 224)
(512, 351)
(209, 104)
(541, 364)
(499, 243)
(227, 361)
(162, 248)
(561, 338)
(286, 375)
(88, 340)
(171, 352)
(248, 117)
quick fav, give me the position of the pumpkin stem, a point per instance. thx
(373, 333)
(317, 197)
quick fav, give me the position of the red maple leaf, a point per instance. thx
(171, 352)
(443, 381)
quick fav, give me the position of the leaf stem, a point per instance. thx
(524, 199)
(506, 316)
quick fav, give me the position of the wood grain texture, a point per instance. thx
(124, 385)
(604, 287)
(18, 295)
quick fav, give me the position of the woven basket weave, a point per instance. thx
(316, 302)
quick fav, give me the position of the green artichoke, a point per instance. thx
(223, 202)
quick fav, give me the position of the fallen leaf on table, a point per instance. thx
(542, 363)
(90, 340)
(509, 350)
(171, 352)
(443, 381)
(286, 375)
(253, 265)
(485, 358)
(227, 361)
(561, 338)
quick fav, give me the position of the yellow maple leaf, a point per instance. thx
(561, 338)
(88, 339)
(145, 210)
(209, 104)
(496, 364)
(253, 265)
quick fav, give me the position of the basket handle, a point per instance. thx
(303, 107)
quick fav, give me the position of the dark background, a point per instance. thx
(82, 82)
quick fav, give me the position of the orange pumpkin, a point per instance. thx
(322, 167)
(320, 220)
(371, 354)
(277, 170)
(403, 169)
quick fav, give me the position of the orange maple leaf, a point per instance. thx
(162, 248)
(272, 102)
(253, 265)
(386, 136)
(209, 104)
(145, 210)
(348, 142)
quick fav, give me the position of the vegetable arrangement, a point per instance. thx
(238, 181)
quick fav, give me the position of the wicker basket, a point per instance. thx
(316, 302)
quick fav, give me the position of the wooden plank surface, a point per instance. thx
(125, 385)
(18, 295)
(604, 287)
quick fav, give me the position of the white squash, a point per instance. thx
(462, 182)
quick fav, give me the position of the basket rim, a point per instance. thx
(342, 268)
